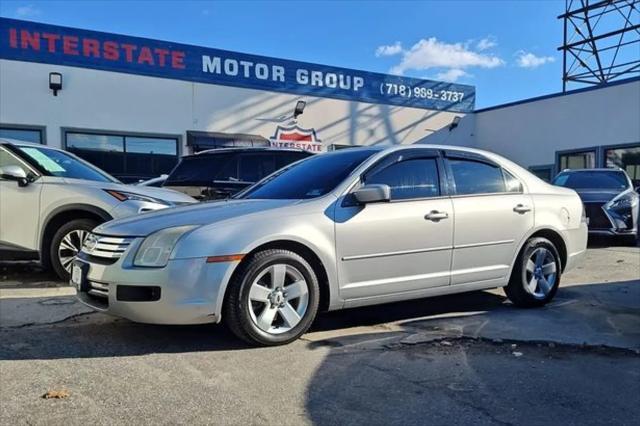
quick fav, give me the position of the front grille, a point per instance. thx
(597, 217)
(103, 247)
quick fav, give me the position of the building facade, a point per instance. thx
(132, 106)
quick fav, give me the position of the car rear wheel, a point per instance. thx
(67, 243)
(536, 274)
(272, 298)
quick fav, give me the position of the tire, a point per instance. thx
(535, 284)
(252, 298)
(73, 231)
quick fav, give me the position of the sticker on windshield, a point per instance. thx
(45, 162)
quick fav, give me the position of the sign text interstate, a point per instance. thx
(35, 42)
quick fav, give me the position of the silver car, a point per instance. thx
(50, 200)
(348, 228)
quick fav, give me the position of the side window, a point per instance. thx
(7, 159)
(512, 183)
(412, 178)
(254, 167)
(475, 177)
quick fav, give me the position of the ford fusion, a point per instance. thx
(611, 203)
(348, 228)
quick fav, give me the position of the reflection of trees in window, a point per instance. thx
(627, 159)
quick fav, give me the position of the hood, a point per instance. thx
(197, 214)
(597, 195)
(149, 191)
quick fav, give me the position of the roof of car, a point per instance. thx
(600, 169)
(248, 149)
(7, 141)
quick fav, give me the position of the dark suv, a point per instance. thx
(220, 173)
(610, 201)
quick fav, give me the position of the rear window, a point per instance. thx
(612, 180)
(203, 170)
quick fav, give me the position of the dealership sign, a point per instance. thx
(35, 42)
(296, 137)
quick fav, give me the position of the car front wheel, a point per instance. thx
(272, 298)
(67, 243)
(536, 274)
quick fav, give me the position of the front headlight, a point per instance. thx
(156, 248)
(625, 202)
(128, 196)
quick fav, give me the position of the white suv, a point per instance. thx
(51, 199)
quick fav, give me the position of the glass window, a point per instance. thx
(129, 157)
(511, 182)
(311, 178)
(413, 178)
(151, 145)
(27, 135)
(543, 173)
(60, 163)
(578, 160)
(628, 159)
(8, 159)
(597, 179)
(254, 167)
(203, 169)
(474, 177)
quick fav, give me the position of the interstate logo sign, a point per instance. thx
(296, 137)
(51, 44)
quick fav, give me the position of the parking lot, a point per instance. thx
(457, 359)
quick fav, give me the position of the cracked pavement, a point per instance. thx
(469, 358)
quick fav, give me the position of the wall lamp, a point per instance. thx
(454, 123)
(299, 109)
(55, 82)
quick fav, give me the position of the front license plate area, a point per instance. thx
(79, 272)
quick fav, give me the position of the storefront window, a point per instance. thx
(578, 160)
(129, 158)
(26, 135)
(543, 172)
(628, 159)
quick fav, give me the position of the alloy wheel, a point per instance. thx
(540, 273)
(278, 298)
(70, 246)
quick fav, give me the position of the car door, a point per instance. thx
(19, 207)
(399, 246)
(492, 216)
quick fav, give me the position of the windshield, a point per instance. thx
(612, 180)
(310, 178)
(62, 164)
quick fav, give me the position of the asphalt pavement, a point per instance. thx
(459, 359)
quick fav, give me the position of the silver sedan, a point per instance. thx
(348, 228)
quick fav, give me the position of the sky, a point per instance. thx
(507, 49)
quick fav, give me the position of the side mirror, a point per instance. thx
(15, 173)
(374, 193)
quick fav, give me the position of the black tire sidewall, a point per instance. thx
(257, 265)
(516, 289)
(76, 224)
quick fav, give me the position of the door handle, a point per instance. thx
(436, 216)
(521, 208)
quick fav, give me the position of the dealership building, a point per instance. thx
(133, 106)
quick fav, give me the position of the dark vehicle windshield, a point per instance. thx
(62, 164)
(311, 178)
(609, 180)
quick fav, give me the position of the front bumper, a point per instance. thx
(186, 291)
(603, 221)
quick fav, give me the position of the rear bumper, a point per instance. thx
(576, 241)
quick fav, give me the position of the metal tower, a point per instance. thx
(601, 41)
